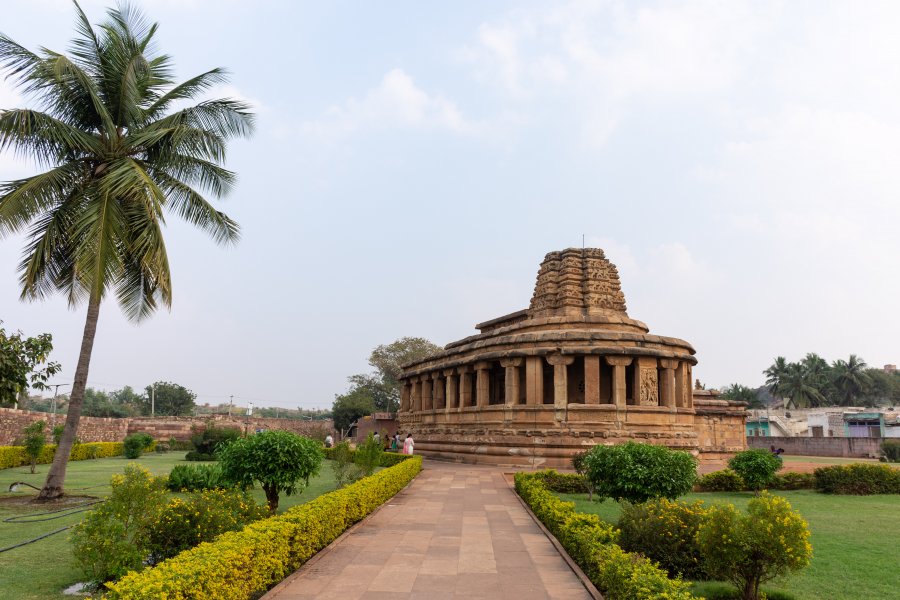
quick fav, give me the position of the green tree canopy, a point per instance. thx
(351, 406)
(280, 461)
(170, 399)
(121, 147)
(24, 363)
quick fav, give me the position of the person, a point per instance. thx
(408, 444)
(395, 442)
(329, 441)
(376, 437)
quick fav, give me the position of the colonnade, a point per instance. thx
(554, 379)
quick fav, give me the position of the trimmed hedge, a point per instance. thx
(592, 544)
(240, 564)
(563, 483)
(858, 479)
(388, 459)
(727, 480)
(14, 456)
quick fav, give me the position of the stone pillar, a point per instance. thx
(618, 363)
(512, 366)
(483, 383)
(450, 392)
(404, 397)
(680, 389)
(437, 391)
(534, 380)
(591, 379)
(427, 398)
(416, 395)
(560, 379)
(689, 396)
(646, 377)
(668, 382)
(465, 385)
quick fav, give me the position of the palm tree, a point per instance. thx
(775, 376)
(850, 379)
(800, 388)
(117, 157)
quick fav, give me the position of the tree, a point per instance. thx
(388, 360)
(34, 442)
(756, 467)
(118, 159)
(850, 379)
(638, 472)
(775, 375)
(385, 396)
(800, 387)
(21, 360)
(170, 399)
(742, 393)
(98, 403)
(280, 461)
(351, 406)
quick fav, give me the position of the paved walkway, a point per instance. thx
(458, 531)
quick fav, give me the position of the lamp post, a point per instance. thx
(56, 387)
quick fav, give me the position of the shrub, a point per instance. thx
(563, 483)
(185, 523)
(206, 443)
(714, 590)
(195, 456)
(749, 549)
(579, 463)
(136, 443)
(14, 456)
(241, 564)
(665, 531)
(891, 450)
(193, 478)
(345, 470)
(34, 442)
(592, 544)
(368, 455)
(113, 538)
(57, 433)
(793, 481)
(725, 480)
(639, 472)
(756, 467)
(280, 461)
(858, 479)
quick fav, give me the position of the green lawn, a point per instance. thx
(43, 569)
(854, 539)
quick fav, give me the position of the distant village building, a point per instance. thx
(572, 370)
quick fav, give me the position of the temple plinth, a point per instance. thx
(539, 385)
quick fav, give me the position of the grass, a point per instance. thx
(825, 460)
(27, 573)
(853, 538)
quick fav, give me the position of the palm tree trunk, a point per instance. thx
(53, 488)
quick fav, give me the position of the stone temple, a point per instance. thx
(539, 385)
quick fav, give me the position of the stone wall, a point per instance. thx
(824, 446)
(96, 429)
(181, 428)
(90, 429)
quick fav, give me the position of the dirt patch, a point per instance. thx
(29, 501)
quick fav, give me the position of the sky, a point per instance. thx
(413, 163)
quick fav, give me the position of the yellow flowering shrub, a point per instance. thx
(240, 564)
(592, 544)
(768, 541)
(14, 456)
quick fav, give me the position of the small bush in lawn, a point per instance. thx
(725, 480)
(793, 481)
(193, 478)
(720, 591)
(756, 467)
(345, 470)
(112, 539)
(136, 443)
(639, 472)
(665, 531)
(891, 450)
(579, 463)
(185, 523)
(858, 479)
(34, 442)
(57, 433)
(368, 455)
(770, 540)
(207, 442)
(562, 483)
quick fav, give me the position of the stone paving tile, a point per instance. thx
(457, 531)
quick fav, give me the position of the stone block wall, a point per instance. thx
(846, 447)
(90, 429)
(97, 429)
